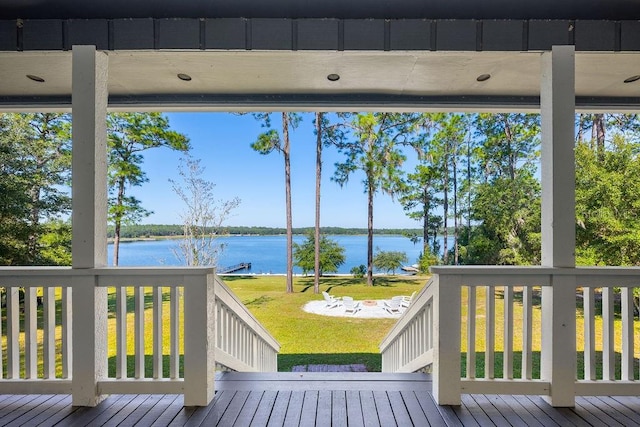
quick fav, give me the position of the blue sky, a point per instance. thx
(222, 142)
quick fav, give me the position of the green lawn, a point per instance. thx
(314, 339)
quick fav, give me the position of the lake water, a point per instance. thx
(267, 254)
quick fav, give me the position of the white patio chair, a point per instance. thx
(332, 302)
(350, 306)
(392, 306)
(406, 301)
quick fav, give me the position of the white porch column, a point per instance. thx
(199, 339)
(557, 106)
(89, 219)
(446, 385)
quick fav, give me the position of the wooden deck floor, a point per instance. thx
(318, 399)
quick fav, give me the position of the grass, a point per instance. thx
(314, 339)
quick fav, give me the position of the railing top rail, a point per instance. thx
(535, 270)
(104, 271)
(416, 305)
(145, 271)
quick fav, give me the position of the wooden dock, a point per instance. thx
(319, 399)
(234, 268)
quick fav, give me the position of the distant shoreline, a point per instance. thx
(173, 231)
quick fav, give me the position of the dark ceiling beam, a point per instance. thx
(342, 9)
(329, 102)
(319, 34)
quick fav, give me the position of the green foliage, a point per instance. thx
(426, 260)
(331, 255)
(506, 193)
(389, 260)
(370, 142)
(358, 271)
(35, 164)
(509, 215)
(55, 243)
(607, 204)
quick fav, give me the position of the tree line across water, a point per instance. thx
(136, 231)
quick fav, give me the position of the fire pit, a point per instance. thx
(369, 303)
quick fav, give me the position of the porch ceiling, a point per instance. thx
(255, 80)
(432, 9)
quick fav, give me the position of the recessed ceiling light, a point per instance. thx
(185, 77)
(333, 77)
(35, 78)
(632, 79)
(483, 77)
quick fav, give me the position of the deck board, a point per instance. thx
(309, 408)
(294, 409)
(40, 413)
(263, 412)
(506, 411)
(612, 410)
(438, 416)
(594, 415)
(369, 409)
(354, 408)
(527, 417)
(279, 410)
(383, 408)
(249, 409)
(319, 400)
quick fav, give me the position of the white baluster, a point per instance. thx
(67, 332)
(174, 306)
(608, 339)
(13, 332)
(49, 340)
(527, 332)
(121, 332)
(30, 333)
(507, 358)
(471, 332)
(157, 332)
(588, 304)
(627, 334)
(490, 319)
(139, 332)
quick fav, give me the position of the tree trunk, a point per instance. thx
(445, 208)
(580, 135)
(32, 244)
(455, 208)
(425, 220)
(510, 154)
(316, 277)
(287, 177)
(370, 194)
(117, 224)
(599, 131)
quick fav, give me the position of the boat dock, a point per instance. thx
(234, 268)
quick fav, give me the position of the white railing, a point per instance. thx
(136, 330)
(242, 343)
(36, 357)
(538, 312)
(408, 347)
